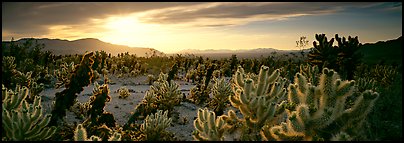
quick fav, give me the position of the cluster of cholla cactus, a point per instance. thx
(154, 126)
(123, 92)
(259, 100)
(163, 95)
(22, 121)
(221, 91)
(320, 112)
(81, 77)
(80, 134)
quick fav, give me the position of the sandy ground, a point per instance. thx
(121, 108)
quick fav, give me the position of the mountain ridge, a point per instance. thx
(80, 46)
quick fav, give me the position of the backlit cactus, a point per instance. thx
(322, 108)
(80, 134)
(22, 121)
(208, 127)
(257, 101)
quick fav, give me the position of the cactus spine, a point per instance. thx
(22, 121)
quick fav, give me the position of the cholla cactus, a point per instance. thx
(63, 75)
(123, 92)
(322, 107)
(113, 68)
(208, 127)
(161, 96)
(154, 125)
(97, 104)
(258, 101)
(22, 121)
(190, 75)
(311, 72)
(80, 134)
(150, 79)
(35, 89)
(342, 136)
(81, 77)
(365, 84)
(221, 91)
(167, 93)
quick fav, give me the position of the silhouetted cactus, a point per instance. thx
(97, 105)
(349, 56)
(200, 92)
(173, 72)
(22, 121)
(81, 77)
(324, 54)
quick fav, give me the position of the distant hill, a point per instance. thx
(252, 53)
(65, 47)
(390, 51)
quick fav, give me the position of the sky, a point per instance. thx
(174, 26)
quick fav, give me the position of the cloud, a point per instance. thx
(217, 14)
(36, 17)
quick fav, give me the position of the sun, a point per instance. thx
(127, 30)
(123, 24)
